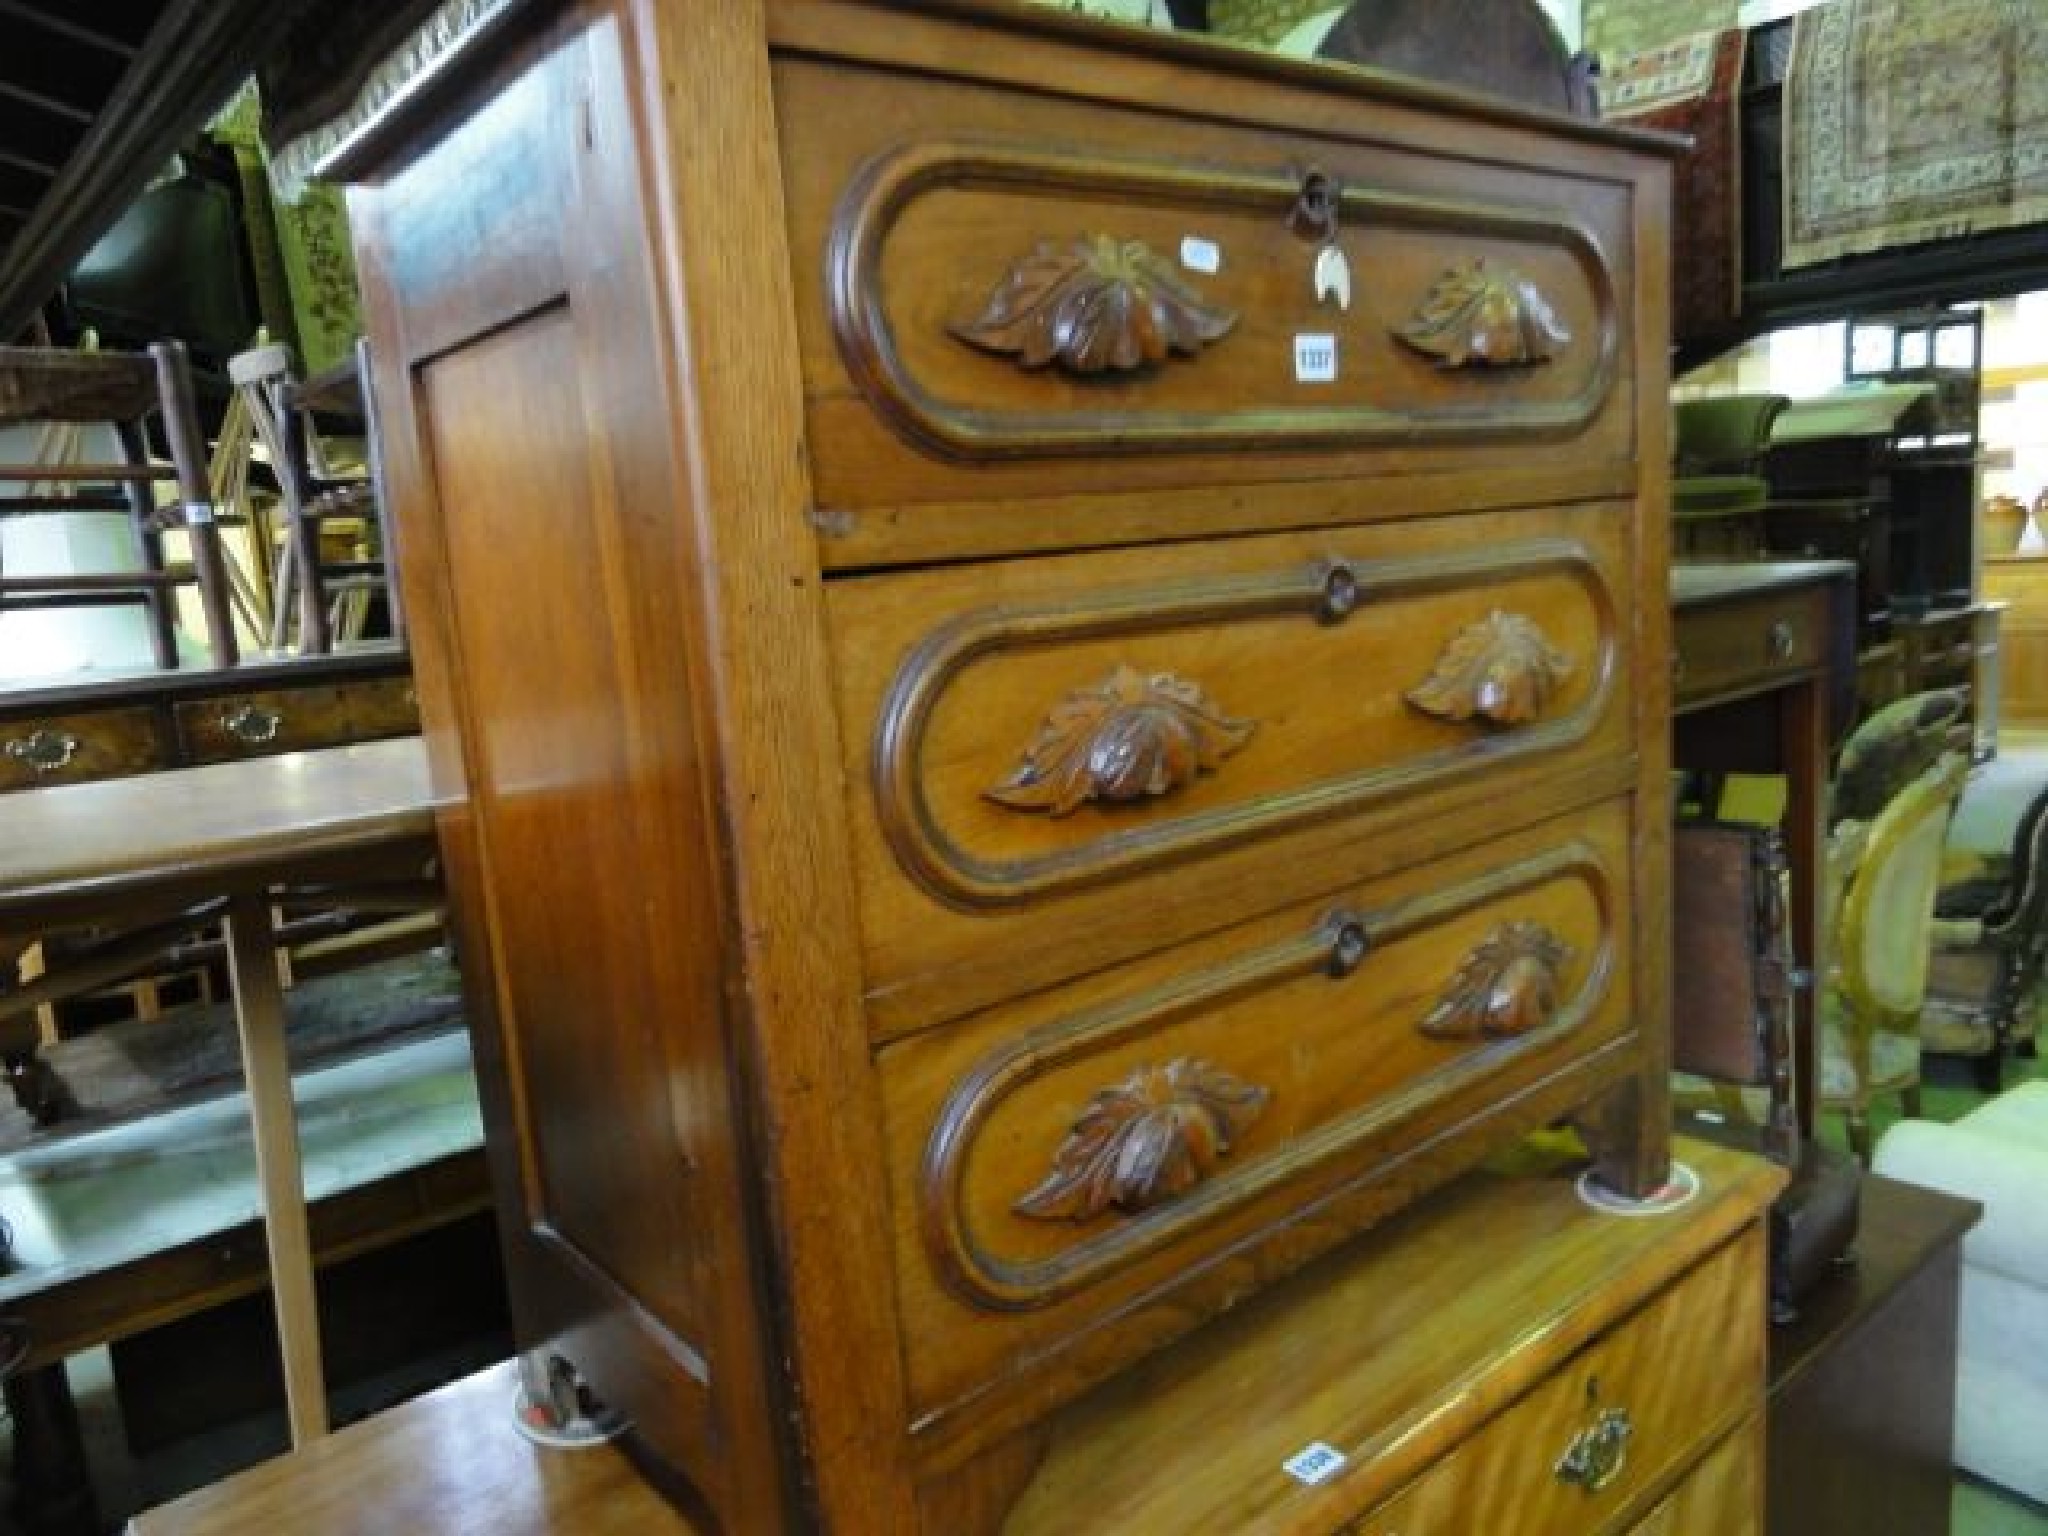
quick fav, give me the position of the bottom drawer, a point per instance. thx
(1623, 1417)
(1060, 1160)
(1722, 1496)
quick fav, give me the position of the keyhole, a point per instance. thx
(1315, 208)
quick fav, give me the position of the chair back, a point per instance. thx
(1882, 942)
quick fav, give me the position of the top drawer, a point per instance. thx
(1005, 294)
(1750, 644)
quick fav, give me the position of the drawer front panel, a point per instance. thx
(1742, 647)
(72, 748)
(388, 706)
(1031, 741)
(1575, 1454)
(1053, 1159)
(1722, 1496)
(270, 720)
(1002, 286)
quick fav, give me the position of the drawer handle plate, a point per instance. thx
(1502, 669)
(1128, 737)
(45, 751)
(1508, 985)
(1476, 316)
(1144, 1140)
(1597, 1453)
(251, 724)
(1780, 641)
(1097, 305)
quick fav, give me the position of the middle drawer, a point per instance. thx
(1056, 763)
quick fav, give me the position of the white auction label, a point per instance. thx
(1315, 358)
(1317, 1463)
(1199, 255)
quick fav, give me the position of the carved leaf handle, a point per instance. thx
(1144, 1140)
(1508, 985)
(1095, 305)
(1476, 316)
(1128, 737)
(1502, 669)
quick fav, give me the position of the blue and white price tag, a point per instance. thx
(1316, 1463)
(1315, 358)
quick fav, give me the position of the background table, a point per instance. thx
(137, 850)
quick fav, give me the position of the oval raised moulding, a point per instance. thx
(1107, 1234)
(1147, 832)
(1118, 416)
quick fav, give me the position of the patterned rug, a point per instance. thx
(1692, 86)
(1907, 121)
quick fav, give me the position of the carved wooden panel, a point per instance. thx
(1058, 1151)
(903, 213)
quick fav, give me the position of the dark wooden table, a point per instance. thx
(1862, 1385)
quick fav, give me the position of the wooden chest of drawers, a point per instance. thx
(1025, 759)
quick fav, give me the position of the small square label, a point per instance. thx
(1315, 359)
(1317, 1463)
(1199, 255)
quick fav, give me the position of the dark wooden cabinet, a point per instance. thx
(1012, 770)
(1862, 1383)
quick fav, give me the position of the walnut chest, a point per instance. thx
(1035, 638)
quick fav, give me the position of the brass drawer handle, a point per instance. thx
(45, 751)
(1598, 1452)
(1128, 737)
(251, 724)
(1780, 640)
(1502, 669)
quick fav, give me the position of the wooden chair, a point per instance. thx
(307, 586)
(1883, 933)
(48, 385)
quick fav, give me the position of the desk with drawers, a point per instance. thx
(75, 732)
(1764, 673)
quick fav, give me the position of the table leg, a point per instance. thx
(260, 1019)
(1803, 743)
(52, 1485)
